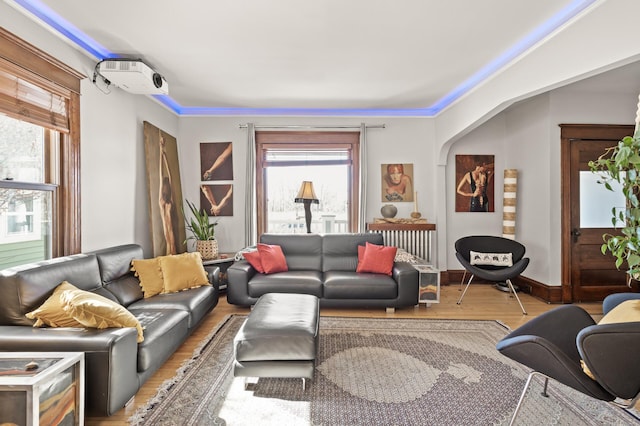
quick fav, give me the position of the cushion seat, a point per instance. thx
(305, 281)
(164, 331)
(349, 285)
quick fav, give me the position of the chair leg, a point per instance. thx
(462, 280)
(516, 295)
(465, 289)
(524, 392)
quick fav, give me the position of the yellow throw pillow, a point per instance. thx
(183, 271)
(627, 311)
(95, 311)
(51, 312)
(149, 273)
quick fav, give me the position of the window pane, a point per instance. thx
(25, 226)
(21, 150)
(331, 187)
(596, 201)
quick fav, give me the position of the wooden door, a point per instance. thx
(588, 275)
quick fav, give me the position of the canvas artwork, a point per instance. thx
(216, 161)
(217, 200)
(397, 182)
(475, 188)
(166, 218)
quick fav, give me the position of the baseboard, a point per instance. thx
(548, 293)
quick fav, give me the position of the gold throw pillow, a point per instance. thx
(51, 312)
(183, 271)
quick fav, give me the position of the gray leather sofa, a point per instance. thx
(115, 364)
(325, 266)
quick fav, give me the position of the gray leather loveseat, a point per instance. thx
(115, 364)
(325, 266)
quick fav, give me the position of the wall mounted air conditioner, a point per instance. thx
(134, 76)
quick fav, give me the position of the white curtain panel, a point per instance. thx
(362, 214)
(250, 237)
(509, 204)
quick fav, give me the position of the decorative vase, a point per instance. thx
(388, 211)
(207, 248)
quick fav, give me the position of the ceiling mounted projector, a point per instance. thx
(134, 76)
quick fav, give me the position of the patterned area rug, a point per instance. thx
(374, 372)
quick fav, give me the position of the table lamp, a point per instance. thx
(307, 196)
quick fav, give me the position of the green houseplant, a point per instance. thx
(621, 163)
(203, 231)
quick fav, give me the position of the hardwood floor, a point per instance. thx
(482, 301)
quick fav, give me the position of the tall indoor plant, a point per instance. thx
(621, 163)
(203, 231)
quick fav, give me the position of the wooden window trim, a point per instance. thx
(308, 140)
(39, 68)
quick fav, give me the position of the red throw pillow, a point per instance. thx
(376, 259)
(272, 258)
(253, 257)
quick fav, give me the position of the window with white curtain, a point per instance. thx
(286, 159)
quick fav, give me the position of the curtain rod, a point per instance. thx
(292, 126)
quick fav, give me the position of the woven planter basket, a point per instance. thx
(207, 248)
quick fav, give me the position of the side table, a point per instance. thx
(428, 285)
(42, 388)
(223, 262)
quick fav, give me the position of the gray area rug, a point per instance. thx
(374, 372)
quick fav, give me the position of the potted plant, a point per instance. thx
(203, 232)
(621, 163)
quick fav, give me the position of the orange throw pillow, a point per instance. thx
(376, 259)
(272, 258)
(253, 257)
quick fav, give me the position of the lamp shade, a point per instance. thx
(307, 193)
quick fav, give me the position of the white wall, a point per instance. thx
(115, 206)
(527, 137)
(403, 140)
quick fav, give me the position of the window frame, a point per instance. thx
(39, 68)
(300, 140)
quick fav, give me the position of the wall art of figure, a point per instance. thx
(397, 182)
(475, 188)
(216, 161)
(165, 192)
(217, 200)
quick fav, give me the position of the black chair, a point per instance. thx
(553, 344)
(486, 244)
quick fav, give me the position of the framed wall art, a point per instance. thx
(397, 182)
(475, 183)
(166, 218)
(216, 161)
(217, 199)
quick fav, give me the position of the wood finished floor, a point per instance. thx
(482, 302)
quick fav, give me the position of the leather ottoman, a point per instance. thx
(279, 337)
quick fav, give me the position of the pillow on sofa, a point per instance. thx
(627, 311)
(272, 258)
(51, 312)
(149, 273)
(253, 257)
(493, 259)
(376, 259)
(95, 311)
(183, 271)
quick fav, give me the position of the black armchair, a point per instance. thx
(554, 343)
(492, 272)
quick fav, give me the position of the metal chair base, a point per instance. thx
(626, 403)
(511, 289)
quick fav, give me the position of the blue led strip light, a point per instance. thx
(51, 18)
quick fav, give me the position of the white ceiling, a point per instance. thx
(334, 54)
